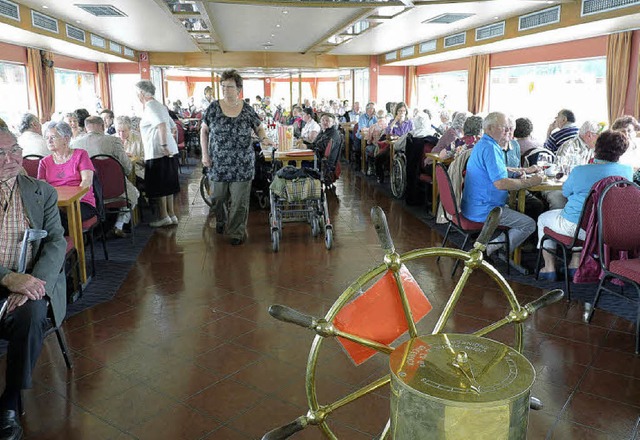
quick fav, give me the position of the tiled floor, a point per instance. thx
(187, 350)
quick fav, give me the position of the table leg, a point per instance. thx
(74, 220)
(517, 253)
(363, 155)
(347, 143)
(434, 189)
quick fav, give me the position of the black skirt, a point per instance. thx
(161, 176)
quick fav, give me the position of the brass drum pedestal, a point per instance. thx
(459, 387)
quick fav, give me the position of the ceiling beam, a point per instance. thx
(340, 27)
(315, 4)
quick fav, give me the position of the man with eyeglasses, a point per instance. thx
(26, 203)
(487, 184)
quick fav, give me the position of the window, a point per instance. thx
(75, 90)
(539, 91)
(443, 91)
(361, 84)
(390, 89)
(13, 89)
(124, 98)
(252, 88)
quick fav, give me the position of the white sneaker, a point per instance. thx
(162, 222)
(174, 220)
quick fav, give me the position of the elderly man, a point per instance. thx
(576, 151)
(561, 130)
(354, 113)
(108, 119)
(31, 140)
(365, 121)
(96, 142)
(207, 98)
(487, 183)
(26, 203)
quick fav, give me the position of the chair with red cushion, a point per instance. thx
(566, 243)
(30, 164)
(89, 225)
(180, 140)
(113, 181)
(458, 222)
(619, 231)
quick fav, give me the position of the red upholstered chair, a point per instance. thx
(567, 244)
(30, 164)
(113, 181)
(458, 222)
(619, 230)
(89, 226)
(180, 140)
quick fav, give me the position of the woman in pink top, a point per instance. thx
(67, 167)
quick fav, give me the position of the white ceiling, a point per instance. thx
(238, 26)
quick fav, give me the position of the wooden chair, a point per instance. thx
(619, 231)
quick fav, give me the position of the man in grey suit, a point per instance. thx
(26, 203)
(96, 142)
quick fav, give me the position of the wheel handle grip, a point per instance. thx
(490, 226)
(545, 300)
(379, 220)
(287, 314)
(286, 431)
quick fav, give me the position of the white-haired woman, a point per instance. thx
(160, 154)
(132, 143)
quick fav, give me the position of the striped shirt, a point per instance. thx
(559, 137)
(13, 223)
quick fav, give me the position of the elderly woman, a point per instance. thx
(73, 121)
(455, 131)
(522, 133)
(399, 126)
(610, 146)
(160, 154)
(329, 133)
(472, 130)
(67, 167)
(227, 126)
(628, 125)
(132, 144)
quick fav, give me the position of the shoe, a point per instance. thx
(10, 428)
(219, 228)
(162, 222)
(236, 242)
(174, 219)
(119, 233)
(547, 276)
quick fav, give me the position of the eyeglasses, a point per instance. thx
(53, 137)
(228, 87)
(14, 151)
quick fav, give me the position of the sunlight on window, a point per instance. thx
(443, 91)
(123, 94)
(75, 90)
(390, 89)
(13, 90)
(539, 91)
(361, 84)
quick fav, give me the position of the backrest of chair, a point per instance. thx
(111, 176)
(447, 197)
(618, 217)
(180, 132)
(30, 164)
(585, 215)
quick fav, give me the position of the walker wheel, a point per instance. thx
(275, 240)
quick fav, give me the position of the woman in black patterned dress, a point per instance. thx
(227, 126)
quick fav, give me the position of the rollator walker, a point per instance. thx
(443, 385)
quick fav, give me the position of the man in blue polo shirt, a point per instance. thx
(487, 184)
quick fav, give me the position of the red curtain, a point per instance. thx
(191, 86)
(618, 60)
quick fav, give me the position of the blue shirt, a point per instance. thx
(582, 178)
(486, 165)
(365, 121)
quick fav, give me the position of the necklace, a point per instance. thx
(60, 159)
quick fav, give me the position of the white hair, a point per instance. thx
(588, 127)
(492, 119)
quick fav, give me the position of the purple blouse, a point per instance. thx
(400, 129)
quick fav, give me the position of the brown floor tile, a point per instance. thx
(618, 362)
(625, 389)
(271, 413)
(228, 359)
(226, 399)
(575, 331)
(568, 431)
(176, 423)
(602, 414)
(227, 434)
(182, 382)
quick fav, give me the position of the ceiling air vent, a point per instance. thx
(44, 22)
(538, 19)
(491, 31)
(102, 10)
(98, 41)
(9, 10)
(597, 6)
(75, 34)
(447, 18)
(455, 40)
(428, 46)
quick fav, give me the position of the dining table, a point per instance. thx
(69, 200)
(347, 127)
(297, 156)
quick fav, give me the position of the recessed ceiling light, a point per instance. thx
(273, 35)
(78, 21)
(45, 7)
(284, 11)
(496, 17)
(277, 25)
